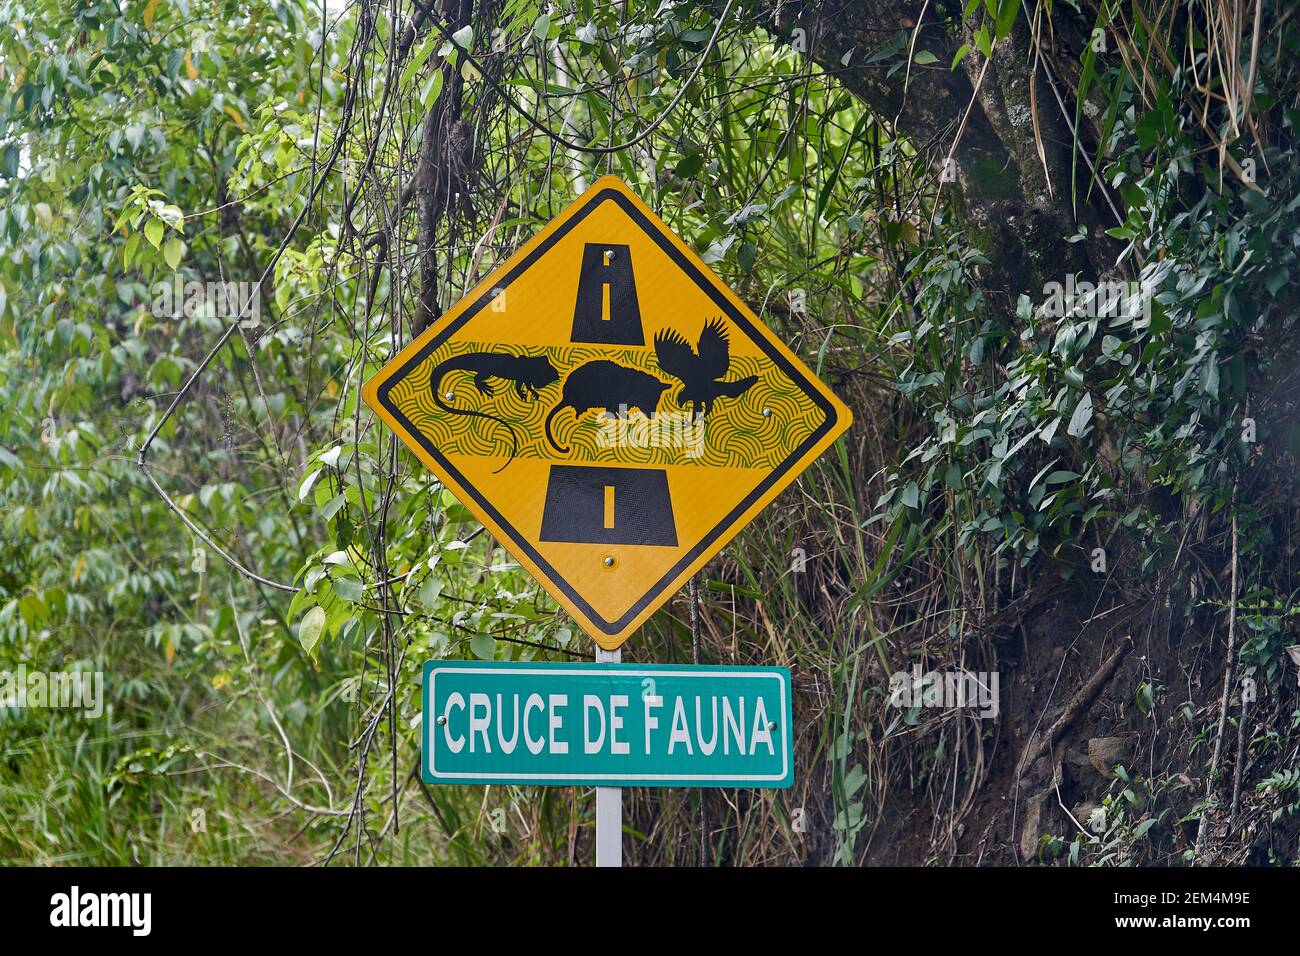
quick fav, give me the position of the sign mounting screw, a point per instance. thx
(597, 306)
(771, 724)
(442, 721)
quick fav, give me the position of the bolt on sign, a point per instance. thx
(619, 725)
(608, 409)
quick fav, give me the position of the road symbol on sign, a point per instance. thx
(608, 408)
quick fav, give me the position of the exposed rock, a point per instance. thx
(1031, 833)
(1105, 752)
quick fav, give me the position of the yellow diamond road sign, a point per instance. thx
(608, 409)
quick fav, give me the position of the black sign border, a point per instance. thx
(610, 194)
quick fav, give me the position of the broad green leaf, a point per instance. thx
(305, 488)
(348, 588)
(911, 496)
(309, 630)
(430, 590)
(1006, 18)
(172, 251)
(432, 87)
(1082, 416)
(332, 507)
(130, 249)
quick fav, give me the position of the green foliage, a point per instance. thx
(1043, 422)
(152, 144)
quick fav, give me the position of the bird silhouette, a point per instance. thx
(700, 374)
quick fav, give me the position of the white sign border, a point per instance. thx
(632, 671)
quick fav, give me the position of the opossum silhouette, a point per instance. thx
(608, 385)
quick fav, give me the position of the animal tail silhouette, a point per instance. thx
(514, 436)
(551, 438)
(737, 388)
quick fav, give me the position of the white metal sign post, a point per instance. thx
(609, 801)
(606, 725)
(494, 399)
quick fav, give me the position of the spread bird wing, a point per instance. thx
(715, 350)
(675, 355)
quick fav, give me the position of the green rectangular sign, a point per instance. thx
(614, 725)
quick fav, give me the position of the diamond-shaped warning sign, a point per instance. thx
(608, 409)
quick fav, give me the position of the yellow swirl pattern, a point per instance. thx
(736, 433)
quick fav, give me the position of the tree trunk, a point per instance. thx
(443, 169)
(1015, 204)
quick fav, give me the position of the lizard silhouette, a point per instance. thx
(529, 373)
